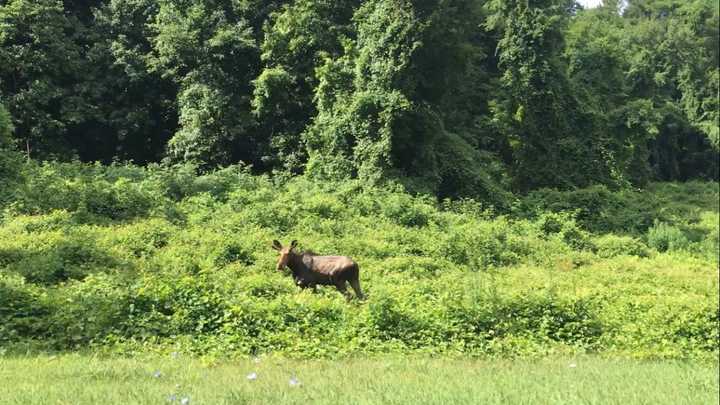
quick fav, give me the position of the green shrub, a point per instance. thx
(404, 210)
(416, 266)
(56, 256)
(397, 322)
(711, 244)
(664, 237)
(596, 208)
(610, 245)
(117, 194)
(466, 172)
(563, 227)
(10, 161)
(257, 285)
(88, 311)
(6, 128)
(142, 238)
(481, 245)
(23, 310)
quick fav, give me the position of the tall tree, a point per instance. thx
(208, 48)
(649, 73)
(555, 141)
(134, 108)
(297, 39)
(40, 65)
(385, 106)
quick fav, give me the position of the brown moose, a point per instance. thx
(310, 270)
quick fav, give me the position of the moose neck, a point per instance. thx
(295, 263)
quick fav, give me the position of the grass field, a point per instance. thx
(81, 379)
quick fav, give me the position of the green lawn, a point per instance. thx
(78, 379)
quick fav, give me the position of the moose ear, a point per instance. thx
(276, 245)
(293, 244)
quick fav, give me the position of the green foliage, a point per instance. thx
(596, 208)
(463, 98)
(9, 159)
(297, 39)
(209, 50)
(6, 128)
(107, 196)
(664, 237)
(38, 57)
(682, 214)
(565, 227)
(648, 75)
(359, 101)
(547, 122)
(465, 171)
(383, 114)
(129, 258)
(23, 310)
(611, 245)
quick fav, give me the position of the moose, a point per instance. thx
(310, 270)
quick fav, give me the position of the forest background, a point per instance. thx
(468, 98)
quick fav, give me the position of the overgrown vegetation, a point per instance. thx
(127, 258)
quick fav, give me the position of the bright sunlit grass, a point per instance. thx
(78, 379)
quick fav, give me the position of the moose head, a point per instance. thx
(285, 253)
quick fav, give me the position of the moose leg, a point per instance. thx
(355, 284)
(342, 287)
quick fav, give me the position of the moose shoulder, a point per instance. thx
(310, 270)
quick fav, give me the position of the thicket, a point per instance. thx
(457, 98)
(127, 258)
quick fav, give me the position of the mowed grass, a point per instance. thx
(82, 379)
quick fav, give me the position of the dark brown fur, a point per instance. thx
(310, 270)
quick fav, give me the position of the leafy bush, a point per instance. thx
(664, 237)
(596, 208)
(88, 311)
(610, 245)
(10, 161)
(484, 244)
(632, 212)
(23, 310)
(564, 226)
(404, 210)
(55, 256)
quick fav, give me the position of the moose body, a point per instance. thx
(310, 270)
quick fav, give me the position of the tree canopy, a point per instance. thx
(460, 98)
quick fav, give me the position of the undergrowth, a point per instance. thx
(124, 259)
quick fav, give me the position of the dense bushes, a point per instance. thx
(662, 214)
(664, 237)
(596, 208)
(122, 257)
